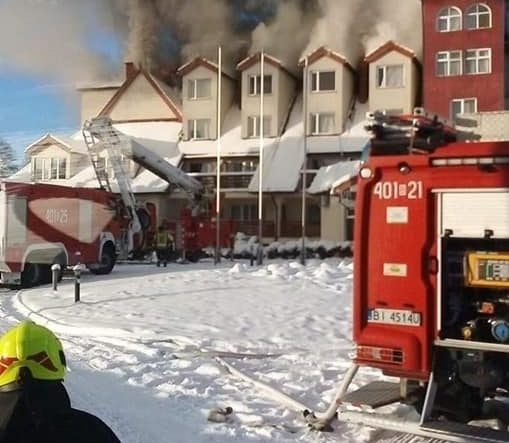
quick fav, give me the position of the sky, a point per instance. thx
(31, 107)
(146, 347)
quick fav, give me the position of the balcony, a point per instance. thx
(288, 229)
(229, 180)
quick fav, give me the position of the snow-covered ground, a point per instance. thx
(141, 346)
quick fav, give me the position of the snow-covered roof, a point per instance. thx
(330, 176)
(23, 175)
(72, 144)
(283, 160)
(232, 142)
(114, 84)
(353, 139)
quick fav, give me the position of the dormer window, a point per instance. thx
(255, 84)
(253, 126)
(389, 76)
(478, 17)
(54, 168)
(322, 123)
(199, 129)
(198, 88)
(322, 81)
(449, 19)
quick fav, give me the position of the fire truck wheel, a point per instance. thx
(108, 259)
(31, 275)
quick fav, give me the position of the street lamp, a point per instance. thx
(217, 255)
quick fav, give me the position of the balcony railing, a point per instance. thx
(288, 229)
(229, 180)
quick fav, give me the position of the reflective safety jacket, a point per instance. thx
(163, 240)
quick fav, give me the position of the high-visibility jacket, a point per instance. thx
(163, 239)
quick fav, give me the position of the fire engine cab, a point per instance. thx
(431, 280)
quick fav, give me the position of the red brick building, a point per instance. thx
(464, 59)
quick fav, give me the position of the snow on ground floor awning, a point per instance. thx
(330, 177)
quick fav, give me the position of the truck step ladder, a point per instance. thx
(377, 394)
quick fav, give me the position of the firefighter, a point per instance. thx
(164, 245)
(34, 404)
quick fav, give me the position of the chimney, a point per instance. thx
(130, 70)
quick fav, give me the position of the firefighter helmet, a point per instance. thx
(34, 347)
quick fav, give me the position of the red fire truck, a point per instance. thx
(197, 223)
(42, 224)
(431, 281)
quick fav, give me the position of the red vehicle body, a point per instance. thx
(199, 234)
(425, 223)
(42, 224)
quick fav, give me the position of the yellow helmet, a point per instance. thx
(34, 347)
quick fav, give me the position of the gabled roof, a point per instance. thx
(256, 58)
(200, 61)
(67, 143)
(389, 47)
(323, 51)
(158, 85)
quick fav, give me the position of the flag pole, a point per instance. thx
(217, 256)
(305, 162)
(260, 165)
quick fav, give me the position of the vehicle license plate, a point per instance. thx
(394, 317)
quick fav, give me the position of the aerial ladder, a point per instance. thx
(101, 138)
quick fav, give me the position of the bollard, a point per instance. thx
(55, 273)
(77, 275)
(259, 255)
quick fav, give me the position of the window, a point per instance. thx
(322, 123)
(253, 126)
(239, 165)
(477, 61)
(448, 63)
(389, 76)
(323, 81)
(244, 212)
(54, 168)
(198, 88)
(449, 19)
(198, 129)
(478, 17)
(463, 106)
(255, 84)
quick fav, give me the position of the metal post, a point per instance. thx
(259, 260)
(77, 277)
(217, 256)
(55, 272)
(305, 163)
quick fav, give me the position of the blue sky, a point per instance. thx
(30, 106)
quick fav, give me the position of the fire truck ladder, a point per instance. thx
(112, 142)
(419, 132)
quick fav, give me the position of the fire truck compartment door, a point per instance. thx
(469, 214)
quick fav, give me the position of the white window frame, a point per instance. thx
(255, 126)
(47, 170)
(463, 102)
(192, 127)
(318, 74)
(255, 81)
(315, 122)
(384, 82)
(192, 88)
(448, 60)
(475, 55)
(476, 11)
(447, 16)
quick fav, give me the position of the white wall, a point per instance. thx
(206, 108)
(393, 98)
(141, 102)
(337, 101)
